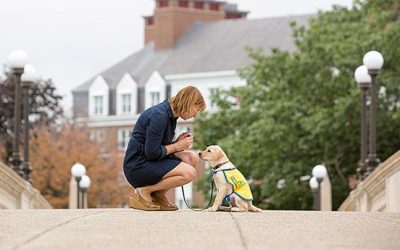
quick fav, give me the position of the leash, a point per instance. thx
(209, 203)
(212, 190)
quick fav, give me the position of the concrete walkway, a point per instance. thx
(131, 229)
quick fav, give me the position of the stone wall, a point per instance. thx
(380, 191)
(16, 193)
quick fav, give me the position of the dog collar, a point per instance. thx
(219, 165)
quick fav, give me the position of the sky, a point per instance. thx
(71, 41)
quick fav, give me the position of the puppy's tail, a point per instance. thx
(253, 208)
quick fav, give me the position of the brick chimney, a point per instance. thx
(172, 18)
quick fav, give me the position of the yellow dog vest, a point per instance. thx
(239, 184)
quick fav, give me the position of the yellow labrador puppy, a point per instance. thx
(230, 183)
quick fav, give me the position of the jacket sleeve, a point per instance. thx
(156, 126)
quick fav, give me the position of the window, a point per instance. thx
(154, 98)
(126, 103)
(214, 6)
(163, 3)
(98, 135)
(183, 3)
(123, 138)
(199, 5)
(213, 92)
(98, 105)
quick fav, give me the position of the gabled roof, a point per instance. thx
(205, 47)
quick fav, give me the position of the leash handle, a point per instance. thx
(209, 203)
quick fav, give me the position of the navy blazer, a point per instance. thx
(154, 129)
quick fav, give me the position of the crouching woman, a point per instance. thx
(153, 162)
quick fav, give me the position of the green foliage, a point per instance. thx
(296, 113)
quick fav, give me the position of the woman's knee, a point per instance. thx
(189, 173)
(184, 170)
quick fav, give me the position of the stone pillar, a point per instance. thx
(73, 199)
(393, 193)
(25, 200)
(364, 202)
(85, 200)
(326, 194)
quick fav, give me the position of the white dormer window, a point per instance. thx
(124, 136)
(126, 103)
(154, 98)
(98, 97)
(98, 105)
(155, 90)
(126, 96)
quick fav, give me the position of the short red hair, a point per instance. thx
(186, 99)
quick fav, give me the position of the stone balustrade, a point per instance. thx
(380, 191)
(17, 193)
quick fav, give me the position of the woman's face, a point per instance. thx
(192, 113)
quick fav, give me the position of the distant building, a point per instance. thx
(197, 42)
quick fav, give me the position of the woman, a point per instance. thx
(154, 163)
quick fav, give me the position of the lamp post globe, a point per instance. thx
(78, 170)
(313, 183)
(17, 59)
(373, 60)
(319, 172)
(29, 75)
(361, 75)
(85, 182)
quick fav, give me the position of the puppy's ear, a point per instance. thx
(219, 153)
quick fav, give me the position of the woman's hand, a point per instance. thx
(182, 136)
(184, 143)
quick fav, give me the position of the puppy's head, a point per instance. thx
(212, 153)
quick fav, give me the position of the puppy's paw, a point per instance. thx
(212, 209)
(236, 209)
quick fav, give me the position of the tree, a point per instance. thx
(53, 153)
(297, 112)
(44, 109)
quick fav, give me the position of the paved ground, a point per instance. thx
(131, 229)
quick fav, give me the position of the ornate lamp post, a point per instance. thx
(27, 79)
(314, 187)
(84, 185)
(364, 82)
(78, 170)
(319, 172)
(373, 60)
(17, 61)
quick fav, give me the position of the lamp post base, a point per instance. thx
(361, 170)
(16, 163)
(372, 162)
(27, 172)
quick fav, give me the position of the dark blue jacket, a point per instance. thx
(153, 130)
